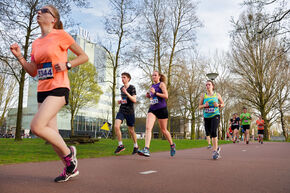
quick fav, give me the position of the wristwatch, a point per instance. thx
(68, 65)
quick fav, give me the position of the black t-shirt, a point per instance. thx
(235, 122)
(127, 106)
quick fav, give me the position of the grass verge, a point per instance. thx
(35, 150)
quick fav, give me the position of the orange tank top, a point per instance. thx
(260, 124)
(48, 51)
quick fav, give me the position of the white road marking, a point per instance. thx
(244, 150)
(148, 172)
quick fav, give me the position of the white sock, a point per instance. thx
(135, 144)
(120, 143)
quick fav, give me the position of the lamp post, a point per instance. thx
(212, 76)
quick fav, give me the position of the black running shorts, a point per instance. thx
(41, 96)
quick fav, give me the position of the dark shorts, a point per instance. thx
(160, 113)
(130, 118)
(260, 132)
(245, 127)
(211, 125)
(235, 127)
(59, 92)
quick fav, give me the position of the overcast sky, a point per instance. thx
(214, 14)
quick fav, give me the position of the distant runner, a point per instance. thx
(260, 124)
(246, 122)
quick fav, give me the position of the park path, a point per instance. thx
(252, 168)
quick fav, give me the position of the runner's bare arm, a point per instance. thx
(221, 104)
(81, 55)
(31, 67)
(164, 93)
(132, 98)
(201, 105)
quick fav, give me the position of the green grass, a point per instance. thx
(35, 150)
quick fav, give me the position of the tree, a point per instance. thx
(279, 15)
(18, 25)
(256, 60)
(182, 26)
(84, 89)
(189, 88)
(117, 27)
(166, 29)
(282, 105)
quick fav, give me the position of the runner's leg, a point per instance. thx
(149, 126)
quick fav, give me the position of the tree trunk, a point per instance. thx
(113, 103)
(284, 129)
(72, 131)
(192, 135)
(266, 130)
(20, 107)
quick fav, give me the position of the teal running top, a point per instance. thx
(210, 111)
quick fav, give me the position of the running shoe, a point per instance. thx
(71, 163)
(71, 160)
(209, 146)
(144, 152)
(135, 150)
(219, 150)
(64, 176)
(172, 149)
(216, 154)
(247, 142)
(234, 141)
(261, 142)
(119, 149)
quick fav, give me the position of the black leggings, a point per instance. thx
(211, 125)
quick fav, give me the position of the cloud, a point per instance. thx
(216, 16)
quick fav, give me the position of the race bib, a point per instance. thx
(154, 101)
(260, 126)
(45, 71)
(124, 101)
(209, 110)
(246, 121)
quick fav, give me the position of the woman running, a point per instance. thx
(210, 102)
(49, 62)
(158, 109)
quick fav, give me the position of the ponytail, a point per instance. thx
(162, 78)
(58, 24)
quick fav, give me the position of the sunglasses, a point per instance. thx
(45, 10)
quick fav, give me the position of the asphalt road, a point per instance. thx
(252, 168)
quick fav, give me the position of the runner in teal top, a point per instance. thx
(211, 111)
(210, 102)
(246, 122)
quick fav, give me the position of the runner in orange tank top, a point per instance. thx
(49, 63)
(260, 124)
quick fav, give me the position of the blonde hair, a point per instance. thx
(58, 24)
